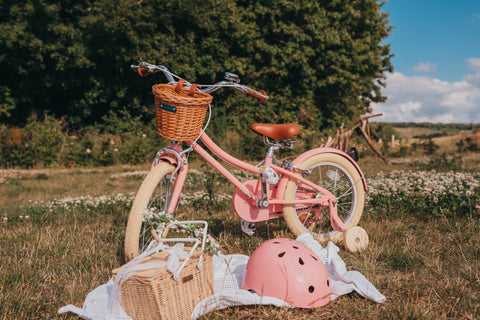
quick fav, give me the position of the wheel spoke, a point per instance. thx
(306, 209)
(152, 198)
(344, 209)
(334, 174)
(335, 180)
(346, 193)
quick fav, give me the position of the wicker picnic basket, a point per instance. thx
(155, 295)
(180, 110)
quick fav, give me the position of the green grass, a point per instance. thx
(56, 251)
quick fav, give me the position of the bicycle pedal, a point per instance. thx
(248, 228)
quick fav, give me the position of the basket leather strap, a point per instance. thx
(180, 84)
(191, 92)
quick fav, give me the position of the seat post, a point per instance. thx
(271, 151)
(276, 145)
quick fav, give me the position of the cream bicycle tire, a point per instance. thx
(133, 233)
(349, 217)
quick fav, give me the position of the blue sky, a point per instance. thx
(436, 74)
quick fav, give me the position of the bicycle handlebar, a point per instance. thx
(261, 95)
(231, 80)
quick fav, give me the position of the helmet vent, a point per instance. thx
(311, 289)
(281, 254)
(314, 258)
(328, 283)
(301, 261)
(295, 247)
(276, 242)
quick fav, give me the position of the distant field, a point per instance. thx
(446, 137)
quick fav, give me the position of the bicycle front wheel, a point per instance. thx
(153, 197)
(337, 175)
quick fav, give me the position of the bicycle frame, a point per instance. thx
(279, 188)
(253, 203)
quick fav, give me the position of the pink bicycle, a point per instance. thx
(321, 191)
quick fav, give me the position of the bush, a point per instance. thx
(469, 144)
(78, 151)
(37, 144)
(46, 143)
(137, 140)
(427, 194)
(45, 138)
(14, 150)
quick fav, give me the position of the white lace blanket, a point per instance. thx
(103, 302)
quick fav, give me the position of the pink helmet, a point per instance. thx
(288, 270)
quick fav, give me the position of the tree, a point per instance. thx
(321, 63)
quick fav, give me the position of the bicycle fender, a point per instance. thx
(282, 184)
(168, 156)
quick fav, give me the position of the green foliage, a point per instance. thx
(138, 142)
(437, 126)
(45, 139)
(14, 149)
(469, 144)
(399, 259)
(41, 176)
(321, 62)
(37, 142)
(444, 162)
(427, 146)
(48, 143)
(382, 130)
(7, 103)
(426, 194)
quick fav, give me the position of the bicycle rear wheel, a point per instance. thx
(337, 175)
(153, 196)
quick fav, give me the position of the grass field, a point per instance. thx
(62, 233)
(445, 138)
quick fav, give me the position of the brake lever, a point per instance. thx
(150, 68)
(232, 77)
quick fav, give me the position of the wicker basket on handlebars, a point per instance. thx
(180, 111)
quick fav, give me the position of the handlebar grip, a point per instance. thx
(261, 95)
(143, 72)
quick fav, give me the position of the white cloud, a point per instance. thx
(425, 67)
(474, 79)
(474, 63)
(426, 99)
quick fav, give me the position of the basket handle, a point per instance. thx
(193, 87)
(180, 84)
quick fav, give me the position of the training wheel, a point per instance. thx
(355, 239)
